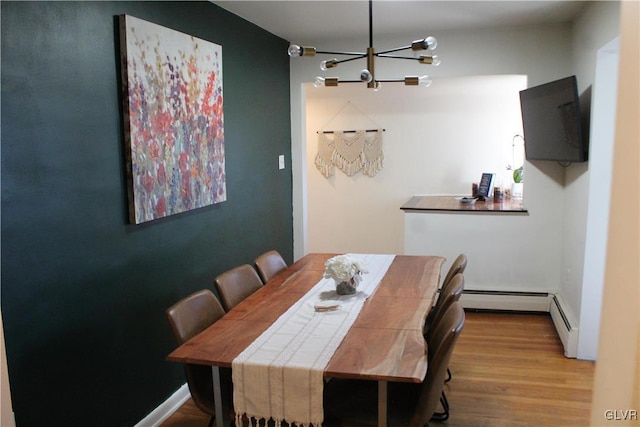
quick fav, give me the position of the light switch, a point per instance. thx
(281, 161)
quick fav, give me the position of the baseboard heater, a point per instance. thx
(505, 300)
(566, 327)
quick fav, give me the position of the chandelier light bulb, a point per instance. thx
(431, 42)
(366, 76)
(435, 60)
(377, 87)
(294, 51)
(318, 82)
(424, 81)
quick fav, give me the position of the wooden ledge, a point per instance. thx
(451, 204)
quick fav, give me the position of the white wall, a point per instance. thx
(437, 141)
(426, 151)
(541, 52)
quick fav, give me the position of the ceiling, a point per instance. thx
(304, 21)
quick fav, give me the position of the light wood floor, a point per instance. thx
(508, 370)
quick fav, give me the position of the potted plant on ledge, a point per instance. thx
(518, 183)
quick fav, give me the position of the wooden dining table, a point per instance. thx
(385, 343)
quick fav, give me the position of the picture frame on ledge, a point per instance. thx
(486, 186)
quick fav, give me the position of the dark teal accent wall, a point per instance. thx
(84, 292)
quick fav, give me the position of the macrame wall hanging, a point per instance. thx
(351, 151)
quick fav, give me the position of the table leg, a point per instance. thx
(382, 404)
(221, 413)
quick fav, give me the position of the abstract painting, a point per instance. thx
(173, 120)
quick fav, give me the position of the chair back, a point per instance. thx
(458, 266)
(193, 314)
(236, 284)
(269, 264)
(188, 317)
(440, 345)
(448, 295)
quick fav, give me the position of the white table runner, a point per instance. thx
(280, 375)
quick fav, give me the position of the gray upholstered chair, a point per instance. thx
(236, 284)
(187, 318)
(269, 264)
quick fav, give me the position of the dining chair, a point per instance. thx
(441, 343)
(458, 266)
(236, 284)
(450, 293)
(350, 402)
(269, 264)
(187, 318)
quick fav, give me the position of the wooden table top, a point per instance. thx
(452, 204)
(384, 343)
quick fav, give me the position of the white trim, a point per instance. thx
(602, 137)
(511, 301)
(166, 408)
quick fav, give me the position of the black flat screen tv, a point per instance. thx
(555, 127)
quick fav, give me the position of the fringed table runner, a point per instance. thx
(280, 375)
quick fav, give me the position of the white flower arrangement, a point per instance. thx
(344, 268)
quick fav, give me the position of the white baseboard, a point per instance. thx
(166, 408)
(565, 325)
(503, 300)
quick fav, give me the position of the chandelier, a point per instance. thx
(367, 75)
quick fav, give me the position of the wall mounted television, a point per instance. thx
(556, 121)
